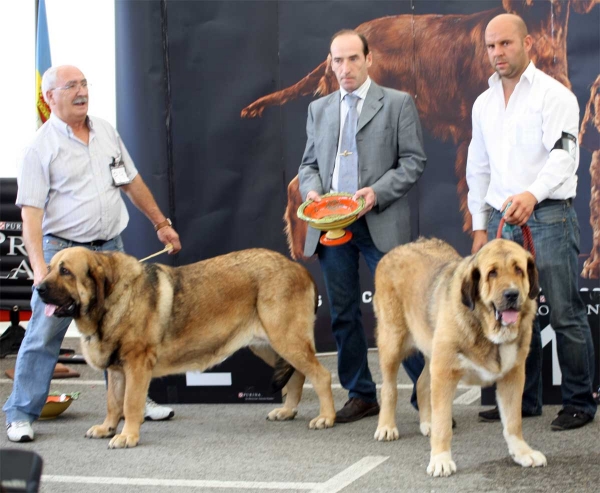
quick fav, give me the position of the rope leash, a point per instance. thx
(527, 236)
(168, 248)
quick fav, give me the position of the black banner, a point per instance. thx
(240, 76)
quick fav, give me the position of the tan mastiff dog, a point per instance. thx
(141, 321)
(472, 319)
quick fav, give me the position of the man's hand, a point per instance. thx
(370, 199)
(39, 272)
(314, 196)
(168, 235)
(479, 239)
(521, 208)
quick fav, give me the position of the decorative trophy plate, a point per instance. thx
(334, 212)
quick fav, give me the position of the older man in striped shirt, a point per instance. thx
(70, 181)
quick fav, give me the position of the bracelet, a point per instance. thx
(163, 224)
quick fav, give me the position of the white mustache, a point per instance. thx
(80, 99)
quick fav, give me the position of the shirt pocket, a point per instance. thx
(529, 131)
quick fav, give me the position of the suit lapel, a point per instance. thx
(371, 106)
(332, 116)
(332, 129)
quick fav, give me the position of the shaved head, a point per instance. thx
(508, 21)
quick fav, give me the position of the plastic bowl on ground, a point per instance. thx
(55, 405)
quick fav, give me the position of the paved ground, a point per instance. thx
(232, 448)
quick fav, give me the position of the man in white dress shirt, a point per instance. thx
(522, 163)
(70, 181)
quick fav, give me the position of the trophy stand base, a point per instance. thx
(335, 237)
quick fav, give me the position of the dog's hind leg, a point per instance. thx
(299, 351)
(271, 358)
(293, 388)
(424, 399)
(292, 399)
(390, 341)
(114, 407)
(509, 391)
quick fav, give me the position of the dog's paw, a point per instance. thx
(533, 458)
(425, 429)
(321, 422)
(282, 414)
(441, 465)
(100, 431)
(124, 441)
(386, 433)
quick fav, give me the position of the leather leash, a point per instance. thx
(527, 236)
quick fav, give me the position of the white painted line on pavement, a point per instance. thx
(469, 397)
(189, 483)
(348, 476)
(335, 484)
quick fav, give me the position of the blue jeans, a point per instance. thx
(339, 265)
(40, 348)
(555, 231)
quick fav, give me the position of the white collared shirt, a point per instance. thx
(361, 93)
(511, 148)
(71, 180)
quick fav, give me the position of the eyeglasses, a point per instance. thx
(71, 86)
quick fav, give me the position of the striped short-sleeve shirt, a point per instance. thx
(71, 181)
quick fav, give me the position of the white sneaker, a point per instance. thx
(154, 412)
(19, 431)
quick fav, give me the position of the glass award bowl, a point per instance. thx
(334, 212)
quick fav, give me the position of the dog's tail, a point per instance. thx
(281, 375)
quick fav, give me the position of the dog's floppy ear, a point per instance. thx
(101, 273)
(532, 273)
(469, 289)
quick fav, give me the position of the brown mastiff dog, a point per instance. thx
(141, 321)
(472, 319)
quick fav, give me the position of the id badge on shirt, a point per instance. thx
(117, 170)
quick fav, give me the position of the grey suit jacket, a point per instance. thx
(390, 159)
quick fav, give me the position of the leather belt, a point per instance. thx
(95, 243)
(549, 202)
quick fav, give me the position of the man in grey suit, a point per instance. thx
(389, 148)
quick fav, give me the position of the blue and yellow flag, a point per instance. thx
(42, 61)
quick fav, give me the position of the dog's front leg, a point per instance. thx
(509, 392)
(444, 381)
(137, 381)
(114, 406)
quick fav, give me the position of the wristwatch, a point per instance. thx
(163, 224)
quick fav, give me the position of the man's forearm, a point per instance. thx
(140, 195)
(32, 237)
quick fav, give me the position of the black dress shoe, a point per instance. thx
(356, 409)
(569, 418)
(492, 415)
